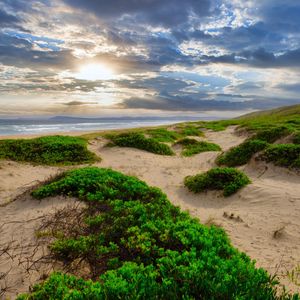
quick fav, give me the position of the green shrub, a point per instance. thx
(192, 146)
(227, 179)
(241, 154)
(139, 141)
(48, 150)
(140, 246)
(163, 135)
(296, 138)
(285, 155)
(218, 125)
(190, 130)
(106, 183)
(271, 135)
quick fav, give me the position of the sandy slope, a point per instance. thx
(15, 178)
(270, 203)
(18, 225)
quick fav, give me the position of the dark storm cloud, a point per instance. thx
(164, 12)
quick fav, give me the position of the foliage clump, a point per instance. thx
(296, 138)
(49, 150)
(163, 135)
(242, 153)
(190, 130)
(272, 134)
(285, 155)
(139, 246)
(192, 146)
(139, 141)
(230, 180)
(217, 125)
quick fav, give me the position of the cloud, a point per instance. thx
(78, 103)
(7, 20)
(264, 59)
(20, 52)
(290, 87)
(155, 12)
(170, 55)
(202, 103)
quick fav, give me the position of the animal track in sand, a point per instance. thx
(231, 216)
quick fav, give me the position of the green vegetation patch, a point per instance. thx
(163, 135)
(190, 130)
(242, 153)
(139, 141)
(285, 155)
(230, 180)
(49, 150)
(139, 246)
(287, 117)
(272, 134)
(296, 138)
(192, 146)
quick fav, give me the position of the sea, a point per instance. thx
(64, 124)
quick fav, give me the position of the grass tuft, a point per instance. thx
(230, 180)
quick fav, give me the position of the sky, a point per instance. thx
(148, 57)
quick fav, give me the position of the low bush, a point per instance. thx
(190, 130)
(285, 155)
(50, 150)
(163, 135)
(192, 146)
(139, 141)
(296, 138)
(227, 179)
(218, 125)
(139, 246)
(272, 134)
(242, 153)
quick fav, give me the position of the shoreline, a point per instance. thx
(81, 133)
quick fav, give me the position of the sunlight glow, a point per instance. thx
(95, 72)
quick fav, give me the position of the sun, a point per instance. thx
(95, 71)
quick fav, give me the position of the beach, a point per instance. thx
(262, 219)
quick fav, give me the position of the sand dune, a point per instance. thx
(262, 219)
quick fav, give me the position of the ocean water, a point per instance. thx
(25, 127)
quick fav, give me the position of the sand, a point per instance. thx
(262, 219)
